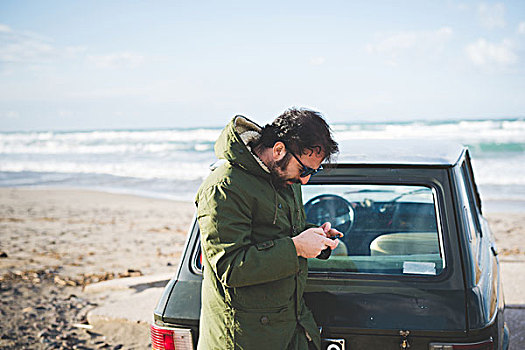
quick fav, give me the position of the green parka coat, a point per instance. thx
(253, 283)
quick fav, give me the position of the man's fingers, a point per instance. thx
(334, 233)
(331, 243)
(320, 231)
(329, 231)
(327, 226)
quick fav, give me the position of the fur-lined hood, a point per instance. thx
(233, 145)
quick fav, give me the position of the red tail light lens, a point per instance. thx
(161, 339)
(484, 345)
(170, 338)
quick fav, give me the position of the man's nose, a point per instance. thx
(304, 180)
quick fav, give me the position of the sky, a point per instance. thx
(84, 65)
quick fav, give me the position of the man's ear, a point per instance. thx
(278, 151)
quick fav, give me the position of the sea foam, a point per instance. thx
(182, 156)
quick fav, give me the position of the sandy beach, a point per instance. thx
(88, 232)
(53, 242)
(56, 241)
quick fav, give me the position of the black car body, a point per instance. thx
(417, 266)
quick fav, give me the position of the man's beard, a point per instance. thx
(276, 172)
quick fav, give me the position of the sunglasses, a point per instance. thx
(306, 171)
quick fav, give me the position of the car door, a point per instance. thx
(484, 291)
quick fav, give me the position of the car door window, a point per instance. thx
(388, 229)
(471, 193)
(470, 218)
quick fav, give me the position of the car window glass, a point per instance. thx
(471, 195)
(197, 259)
(467, 168)
(469, 219)
(388, 229)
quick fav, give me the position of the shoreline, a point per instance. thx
(110, 190)
(490, 206)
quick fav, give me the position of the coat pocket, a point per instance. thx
(271, 295)
(270, 328)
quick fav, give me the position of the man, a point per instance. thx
(254, 237)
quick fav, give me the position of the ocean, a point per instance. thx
(171, 163)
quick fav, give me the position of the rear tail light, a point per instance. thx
(484, 345)
(170, 338)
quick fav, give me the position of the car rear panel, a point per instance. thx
(370, 314)
(185, 307)
(375, 339)
(398, 310)
(179, 306)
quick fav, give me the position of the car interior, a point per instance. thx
(388, 229)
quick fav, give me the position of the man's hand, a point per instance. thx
(311, 242)
(329, 231)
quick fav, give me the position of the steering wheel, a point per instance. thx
(332, 208)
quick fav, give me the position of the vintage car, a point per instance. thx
(417, 267)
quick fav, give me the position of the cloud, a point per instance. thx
(11, 115)
(462, 6)
(18, 47)
(113, 92)
(492, 16)
(317, 61)
(5, 28)
(117, 60)
(23, 48)
(483, 53)
(32, 50)
(394, 43)
(423, 42)
(64, 113)
(521, 28)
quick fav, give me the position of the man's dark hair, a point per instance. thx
(302, 131)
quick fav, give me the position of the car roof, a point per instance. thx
(399, 152)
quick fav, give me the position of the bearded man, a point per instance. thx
(254, 237)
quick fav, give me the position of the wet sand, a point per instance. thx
(55, 241)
